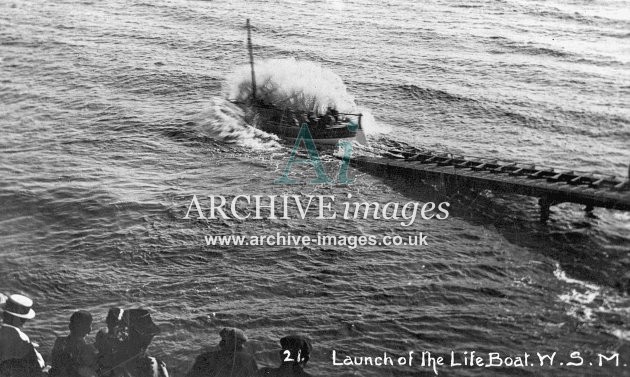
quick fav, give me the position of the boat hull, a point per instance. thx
(276, 121)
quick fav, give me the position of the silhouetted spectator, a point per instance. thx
(71, 355)
(312, 119)
(295, 353)
(109, 340)
(292, 119)
(227, 360)
(18, 356)
(328, 119)
(303, 119)
(335, 114)
(131, 360)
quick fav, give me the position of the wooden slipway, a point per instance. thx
(550, 186)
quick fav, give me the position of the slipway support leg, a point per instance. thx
(545, 209)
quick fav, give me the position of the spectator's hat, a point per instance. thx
(140, 320)
(19, 306)
(232, 335)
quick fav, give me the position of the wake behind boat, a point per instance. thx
(287, 115)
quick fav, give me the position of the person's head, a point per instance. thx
(13, 320)
(17, 310)
(296, 348)
(80, 323)
(232, 339)
(140, 327)
(114, 318)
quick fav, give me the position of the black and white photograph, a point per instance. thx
(326, 188)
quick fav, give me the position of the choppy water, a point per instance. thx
(112, 118)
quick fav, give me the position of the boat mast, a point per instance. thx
(251, 60)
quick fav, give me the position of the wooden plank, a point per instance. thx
(539, 174)
(518, 171)
(501, 168)
(464, 164)
(577, 180)
(597, 183)
(564, 176)
(479, 167)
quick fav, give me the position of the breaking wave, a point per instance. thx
(587, 302)
(300, 85)
(224, 121)
(296, 84)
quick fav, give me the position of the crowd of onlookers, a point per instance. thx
(120, 349)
